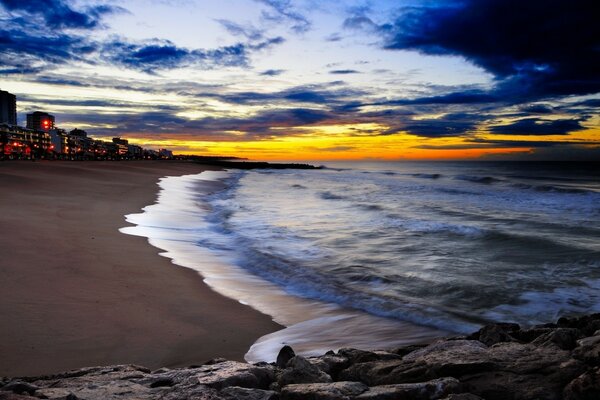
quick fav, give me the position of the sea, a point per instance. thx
(379, 255)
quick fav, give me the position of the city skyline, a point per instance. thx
(308, 80)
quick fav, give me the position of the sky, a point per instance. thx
(314, 80)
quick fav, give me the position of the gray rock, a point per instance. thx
(387, 372)
(239, 393)
(495, 333)
(588, 350)
(462, 396)
(431, 390)
(358, 356)
(20, 387)
(331, 364)
(453, 358)
(14, 396)
(300, 370)
(233, 373)
(564, 338)
(584, 387)
(285, 354)
(323, 391)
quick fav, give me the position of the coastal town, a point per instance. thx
(42, 139)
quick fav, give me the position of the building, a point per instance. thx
(40, 121)
(8, 108)
(122, 145)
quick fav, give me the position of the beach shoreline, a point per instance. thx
(76, 292)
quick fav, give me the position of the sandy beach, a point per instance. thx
(76, 292)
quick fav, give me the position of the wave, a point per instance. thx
(535, 307)
(552, 189)
(327, 195)
(427, 176)
(486, 180)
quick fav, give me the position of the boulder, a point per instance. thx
(300, 370)
(584, 387)
(233, 373)
(323, 391)
(453, 358)
(431, 390)
(563, 338)
(331, 364)
(495, 333)
(240, 393)
(387, 372)
(588, 350)
(285, 354)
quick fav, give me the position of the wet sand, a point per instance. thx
(76, 292)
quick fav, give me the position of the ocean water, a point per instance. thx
(384, 254)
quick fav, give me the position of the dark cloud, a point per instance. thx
(150, 56)
(283, 10)
(535, 48)
(344, 71)
(534, 126)
(272, 72)
(463, 97)
(59, 13)
(27, 50)
(537, 109)
(37, 35)
(456, 124)
(157, 122)
(322, 94)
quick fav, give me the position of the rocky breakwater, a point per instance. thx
(500, 361)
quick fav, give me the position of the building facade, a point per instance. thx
(8, 108)
(40, 121)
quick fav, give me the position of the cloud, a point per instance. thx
(163, 54)
(321, 94)
(454, 124)
(536, 48)
(344, 71)
(26, 50)
(58, 13)
(37, 35)
(272, 72)
(248, 31)
(534, 126)
(537, 109)
(283, 10)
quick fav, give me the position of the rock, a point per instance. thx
(431, 390)
(564, 338)
(300, 370)
(331, 364)
(20, 387)
(239, 393)
(358, 356)
(529, 335)
(387, 372)
(14, 396)
(285, 354)
(584, 387)
(588, 350)
(587, 324)
(453, 358)
(323, 391)
(233, 373)
(404, 350)
(523, 372)
(495, 333)
(462, 396)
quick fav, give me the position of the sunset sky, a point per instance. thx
(314, 80)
